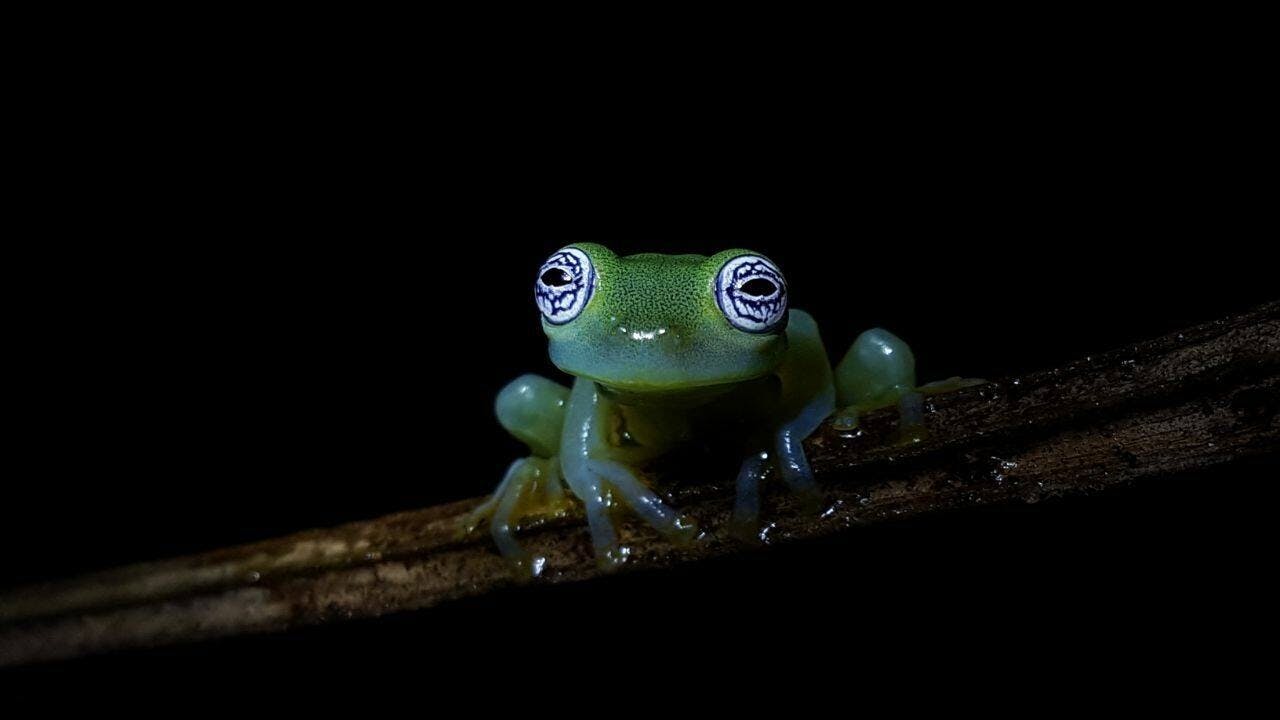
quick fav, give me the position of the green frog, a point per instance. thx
(664, 349)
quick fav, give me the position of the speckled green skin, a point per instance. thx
(656, 363)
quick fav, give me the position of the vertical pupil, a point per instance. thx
(556, 277)
(759, 287)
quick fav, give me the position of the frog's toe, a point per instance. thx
(531, 487)
(479, 516)
(502, 528)
(604, 538)
(744, 523)
(846, 419)
(676, 528)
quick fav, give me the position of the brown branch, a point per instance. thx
(1198, 398)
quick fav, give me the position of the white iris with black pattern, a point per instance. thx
(565, 283)
(752, 294)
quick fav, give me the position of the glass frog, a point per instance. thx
(663, 349)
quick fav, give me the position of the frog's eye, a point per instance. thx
(564, 285)
(752, 294)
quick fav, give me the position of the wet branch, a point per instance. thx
(1202, 397)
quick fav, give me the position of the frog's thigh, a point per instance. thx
(878, 369)
(532, 408)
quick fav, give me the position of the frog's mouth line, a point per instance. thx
(677, 387)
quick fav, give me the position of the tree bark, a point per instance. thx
(1202, 397)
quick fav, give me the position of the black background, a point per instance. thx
(291, 306)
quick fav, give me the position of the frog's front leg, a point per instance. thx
(532, 408)
(596, 471)
(808, 397)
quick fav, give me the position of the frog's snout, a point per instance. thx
(660, 335)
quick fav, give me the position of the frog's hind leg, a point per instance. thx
(531, 408)
(878, 371)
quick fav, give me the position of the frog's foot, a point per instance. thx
(744, 524)
(788, 460)
(910, 404)
(606, 480)
(530, 488)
